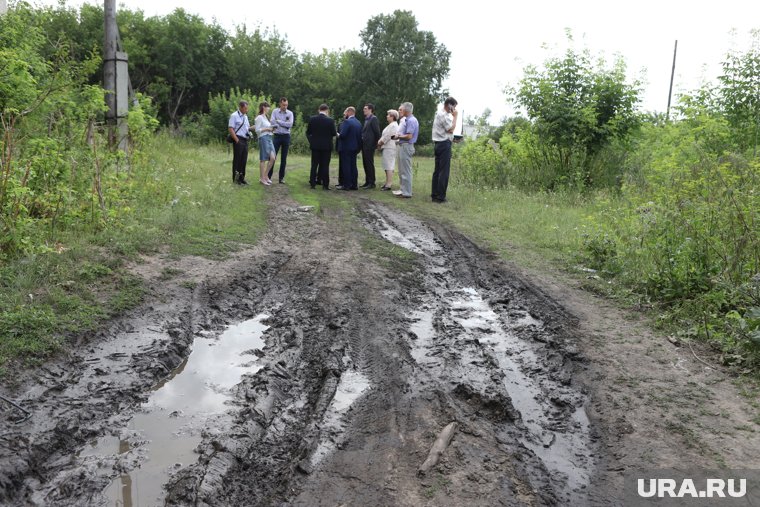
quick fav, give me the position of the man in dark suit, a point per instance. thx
(320, 132)
(370, 137)
(350, 143)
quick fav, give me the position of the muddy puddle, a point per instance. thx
(352, 385)
(161, 437)
(456, 333)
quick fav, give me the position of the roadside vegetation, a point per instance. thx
(661, 213)
(665, 210)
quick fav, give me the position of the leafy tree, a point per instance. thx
(187, 57)
(261, 61)
(397, 62)
(577, 108)
(322, 78)
(46, 107)
(739, 93)
(480, 120)
(510, 126)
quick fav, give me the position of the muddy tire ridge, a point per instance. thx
(368, 355)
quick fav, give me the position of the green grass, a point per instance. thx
(529, 229)
(184, 204)
(297, 179)
(193, 208)
(394, 258)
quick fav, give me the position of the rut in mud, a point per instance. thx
(317, 369)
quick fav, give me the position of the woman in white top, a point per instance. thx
(387, 143)
(264, 131)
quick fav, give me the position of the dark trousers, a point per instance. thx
(281, 140)
(320, 167)
(368, 161)
(239, 158)
(442, 169)
(314, 172)
(341, 171)
(349, 170)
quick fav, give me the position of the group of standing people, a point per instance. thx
(273, 133)
(396, 142)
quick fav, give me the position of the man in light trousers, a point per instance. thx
(407, 136)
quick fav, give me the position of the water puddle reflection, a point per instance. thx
(562, 451)
(161, 437)
(351, 386)
(409, 234)
(421, 346)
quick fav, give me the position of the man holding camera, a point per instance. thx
(443, 134)
(239, 129)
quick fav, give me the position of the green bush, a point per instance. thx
(684, 233)
(211, 127)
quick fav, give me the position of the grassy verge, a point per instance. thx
(528, 229)
(183, 204)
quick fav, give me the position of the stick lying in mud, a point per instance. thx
(439, 447)
(22, 409)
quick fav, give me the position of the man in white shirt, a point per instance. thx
(443, 134)
(239, 130)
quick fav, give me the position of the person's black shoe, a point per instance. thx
(353, 188)
(326, 187)
(384, 188)
(313, 186)
(367, 186)
(241, 181)
(282, 182)
(439, 200)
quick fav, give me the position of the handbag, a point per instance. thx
(230, 139)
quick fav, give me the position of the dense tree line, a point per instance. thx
(179, 60)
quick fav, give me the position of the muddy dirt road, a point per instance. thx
(321, 366)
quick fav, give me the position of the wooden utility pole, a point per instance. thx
(115, 80)
(672, 75)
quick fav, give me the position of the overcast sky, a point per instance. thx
(491, 42)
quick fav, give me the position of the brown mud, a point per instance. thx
(320, 366)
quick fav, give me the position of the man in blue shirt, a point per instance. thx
(282, 120)
(239, 130)
(407, 136)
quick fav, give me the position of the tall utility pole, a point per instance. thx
(3, 7)
(115, 80)
(672, 74)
